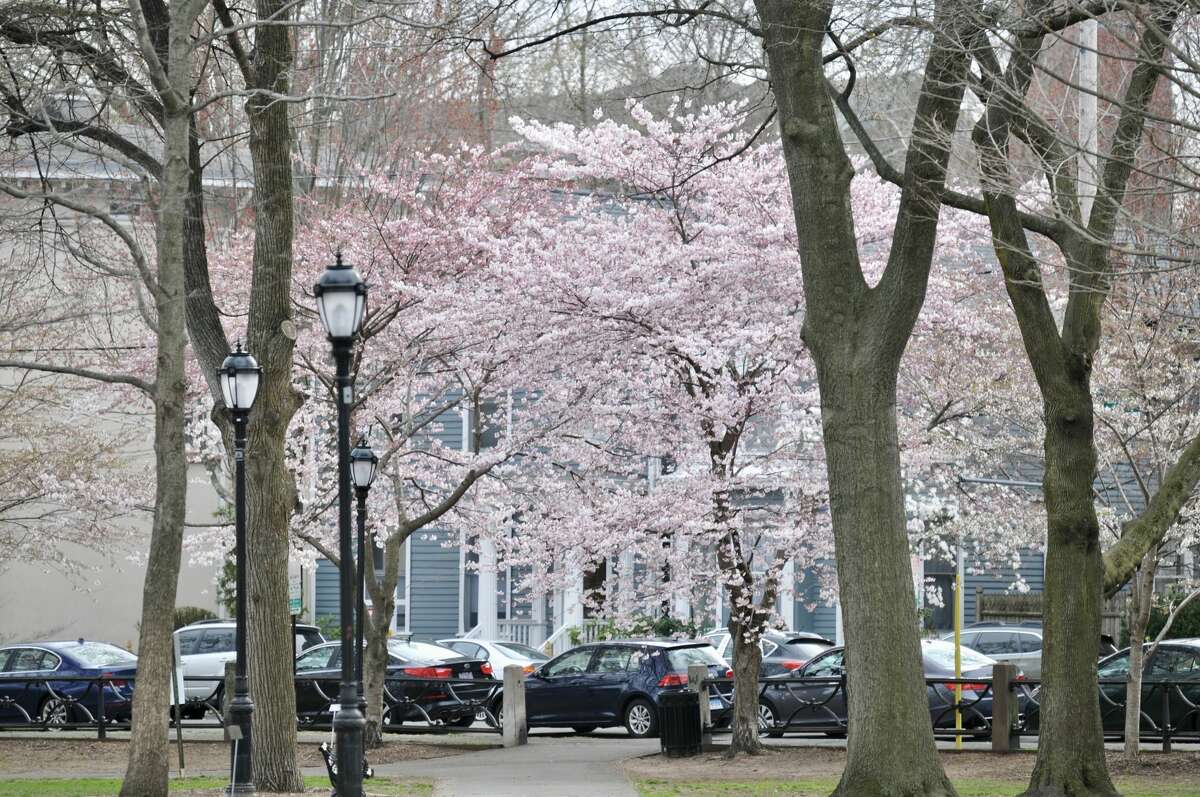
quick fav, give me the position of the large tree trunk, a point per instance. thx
(1139, 617)
(383, 608)
(747, 661)
(272, 338)
(146, 770)
(1071, 744)
(890, 749)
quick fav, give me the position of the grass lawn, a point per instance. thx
(1138, 787)
(104, 787)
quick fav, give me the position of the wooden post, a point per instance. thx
(516, 726)
(1006, 737)
(696, 675)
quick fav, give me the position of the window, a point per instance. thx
(25, 660)
(680, 659)
(102, 654)
(307, 638)
(1117, 667)
(319, 659)
(968, 640)
(997, 643)
(570, 663)
(50, 661)
(612, 659)
(4, 656)
(470, 649)
(516, 649)
(421, 651)
(768, 647)
(217, 640)
(638, 658)
(1173, 664)
(830, 666)
(188, 642)
(1030, 643)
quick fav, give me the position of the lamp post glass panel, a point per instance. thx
(239, 377)
(342, 302)
(363, 463)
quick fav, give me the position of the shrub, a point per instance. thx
(186, 615)
(1187, 623)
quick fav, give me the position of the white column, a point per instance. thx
(572, 598)
(488, 627)
(838, 633)
(537, 634)
(786, 605)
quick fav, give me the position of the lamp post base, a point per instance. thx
(241, 708)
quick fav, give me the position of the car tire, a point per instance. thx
(497, 709)
(767, 719)
(584, 729)
(641, 719)
(463, 722)
(54, 713)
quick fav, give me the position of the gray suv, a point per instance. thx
(1012, 644)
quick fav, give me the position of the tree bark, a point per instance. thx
(747, 662)
(857, 334)
(146, 769)
(272, 489)
(1140, 600)
(383, 608)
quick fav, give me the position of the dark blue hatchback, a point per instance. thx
(26, 695)
(608, 684)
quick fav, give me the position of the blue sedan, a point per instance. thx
(618, 683)
(27, 697)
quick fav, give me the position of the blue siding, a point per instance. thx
(327, 602)
(1032, 570)
(823, 618)
(433, 596)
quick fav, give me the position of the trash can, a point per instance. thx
(679, 723)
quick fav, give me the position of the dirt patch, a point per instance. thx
(782, 763)
(70, 758)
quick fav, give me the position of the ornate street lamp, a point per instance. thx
(363, 463)
(239, 376)
(342, 302)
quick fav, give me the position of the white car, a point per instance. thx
(205, 646)
(498, 653)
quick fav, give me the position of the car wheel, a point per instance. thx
(767, 720)
(54, 713)
(584, 729)
(641, 719)
(464, 722)
(498, 715)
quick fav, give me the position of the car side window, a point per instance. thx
(471, 650)
(1116, 668)
(637, 659)
(1172, 665)
(25, 660)
(612, 659)
(571, 663)
(997, 643)
(5, 655)
(830, 666)
(187, 642)
(50, 661)
(1030, 643)
(768, 647)
(217, 640)
(315, 659)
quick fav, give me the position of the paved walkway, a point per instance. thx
(566, 766)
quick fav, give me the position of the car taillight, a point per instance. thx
(792, 664)
(486, 669)
(115, 682)
(729, 673)
(972, 687)
(428, 672)
(673, 679)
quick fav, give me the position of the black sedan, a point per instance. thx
(784, 652)
(1174, 669)
(616, 683)
(26, 697)
(425, 683)
(821, 707)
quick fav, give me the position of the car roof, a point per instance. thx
(999, 625)
(652, 643)
(795, 636)
(233, 624)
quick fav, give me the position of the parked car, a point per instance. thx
(608, 684)
(412, 690)
(1012, 644)
(63, 702)
(1176, 662)
(499, 653)
(784, 652)
(822, 707)
(205, 646)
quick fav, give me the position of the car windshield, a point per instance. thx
(101, 654)
(522, 650)
(941, 656)
(681, 658)
(422, 651)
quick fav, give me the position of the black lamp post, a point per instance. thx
(342, 302)
(363, 463)
(239, 376)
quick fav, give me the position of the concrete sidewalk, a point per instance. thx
(546, 767)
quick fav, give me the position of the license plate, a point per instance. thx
(715, 702)
(468, 675)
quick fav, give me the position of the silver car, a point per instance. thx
(1012, 644)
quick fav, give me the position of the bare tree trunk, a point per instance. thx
(747, 662)
(1140, 600)
(146, 769)
(272, 337)
(383, 608)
